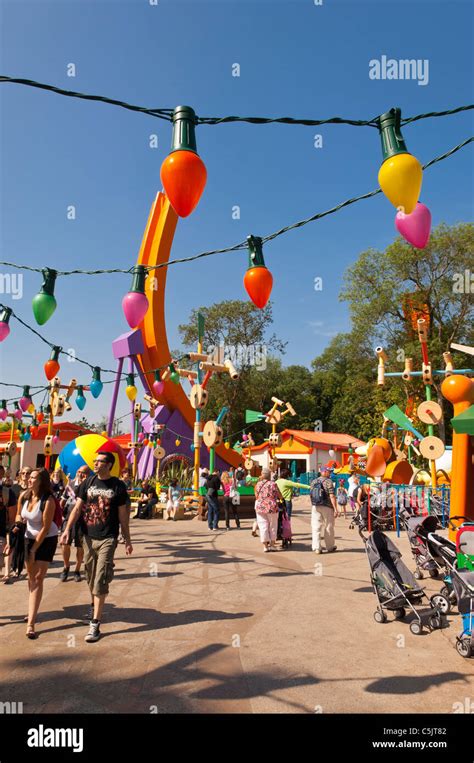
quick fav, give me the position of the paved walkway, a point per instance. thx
(205, 622)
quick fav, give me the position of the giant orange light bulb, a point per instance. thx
(51, 367)
(183, 173)
(258, 280)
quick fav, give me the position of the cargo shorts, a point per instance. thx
(99, 563)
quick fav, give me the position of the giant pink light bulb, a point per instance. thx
(415, 227)
(135, 306)
(4, 330)
(135, 303)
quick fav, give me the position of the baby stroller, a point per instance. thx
(463, 582)
(465, 545)
(284, 528)
(432, 553)
(394, 585)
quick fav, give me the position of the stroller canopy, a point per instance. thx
(417, 526)
(386, 563)
(463, 582)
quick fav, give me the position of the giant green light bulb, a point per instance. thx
(44, 303)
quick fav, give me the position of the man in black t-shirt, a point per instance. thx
(101, 509)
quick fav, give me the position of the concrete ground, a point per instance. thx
(203, 622)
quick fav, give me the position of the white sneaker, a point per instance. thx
(94, 632)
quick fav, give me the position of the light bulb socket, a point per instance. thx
(184, 135)
(5, 313)
(49, 280)
(80, 390)
(393, 142)
(138, 281)
(157, 376)
(26, 391)
(130, 380)
(55, 353)
(255, 252)
(96, 374)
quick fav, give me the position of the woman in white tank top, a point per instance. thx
(41, 538)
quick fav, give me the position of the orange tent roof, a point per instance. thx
(122, 439)
(331, 439)
(304, 441)
(67, 432)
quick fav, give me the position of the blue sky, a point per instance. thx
(296, 59)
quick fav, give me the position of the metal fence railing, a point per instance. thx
(391, 499)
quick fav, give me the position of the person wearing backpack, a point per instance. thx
(323, 510)
(240, 476)
(40, 512)
(341, 499)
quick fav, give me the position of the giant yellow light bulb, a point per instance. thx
(131, 391)
(401, 174)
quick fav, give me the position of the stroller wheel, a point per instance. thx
(463, 647)
(418, 575)
(435, 621)
(399, 614)
(416, 628)
(450, 595)
(434, 573)
(441, 603)
(380, 617)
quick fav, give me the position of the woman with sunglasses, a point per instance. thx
(41, 538)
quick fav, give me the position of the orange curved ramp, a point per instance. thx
(155, 250)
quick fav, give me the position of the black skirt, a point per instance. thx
(45, 552)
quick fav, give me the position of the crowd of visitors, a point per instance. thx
(40, 511)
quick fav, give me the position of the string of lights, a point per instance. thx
(242, 244)
(167, 114)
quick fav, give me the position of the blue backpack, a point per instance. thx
(318, 494)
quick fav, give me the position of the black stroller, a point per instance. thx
(434, 553)
(394, 585)
(463, 582)
(431, 552)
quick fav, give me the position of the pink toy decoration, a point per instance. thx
(3, 414)
(158, 388)
(141, 437)
(415, 228)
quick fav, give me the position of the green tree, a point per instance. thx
(241, 330)
(378, 288)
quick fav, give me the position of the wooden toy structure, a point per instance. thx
(273, 417)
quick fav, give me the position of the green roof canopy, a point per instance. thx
(464, 422)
